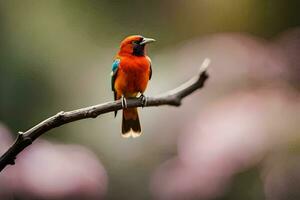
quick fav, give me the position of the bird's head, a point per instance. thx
(134, 45)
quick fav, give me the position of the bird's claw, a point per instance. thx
(144, 100)
(124, 102)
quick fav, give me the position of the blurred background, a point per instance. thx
(238, 138)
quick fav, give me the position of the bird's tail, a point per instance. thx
(131, 123)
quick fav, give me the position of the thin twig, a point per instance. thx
(172, 98)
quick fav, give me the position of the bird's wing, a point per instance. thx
(115, 67)
(114, 72)
(150, 73)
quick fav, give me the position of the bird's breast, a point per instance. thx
(134, 74)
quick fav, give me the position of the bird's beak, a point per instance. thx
(147, 40)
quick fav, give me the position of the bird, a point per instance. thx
(131, 71)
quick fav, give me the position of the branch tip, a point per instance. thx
(204, 65)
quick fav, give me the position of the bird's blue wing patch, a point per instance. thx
(114, 69)
(115, 65)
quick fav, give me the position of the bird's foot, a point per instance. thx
(124, 102)
(144, 100)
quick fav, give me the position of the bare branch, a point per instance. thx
(172, 98)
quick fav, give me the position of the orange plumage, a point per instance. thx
(131, 72)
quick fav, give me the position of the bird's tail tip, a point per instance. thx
(131, 124)
(132, 134)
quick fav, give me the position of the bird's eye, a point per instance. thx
(135, 42)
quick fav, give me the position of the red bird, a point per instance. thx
(131, 71)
